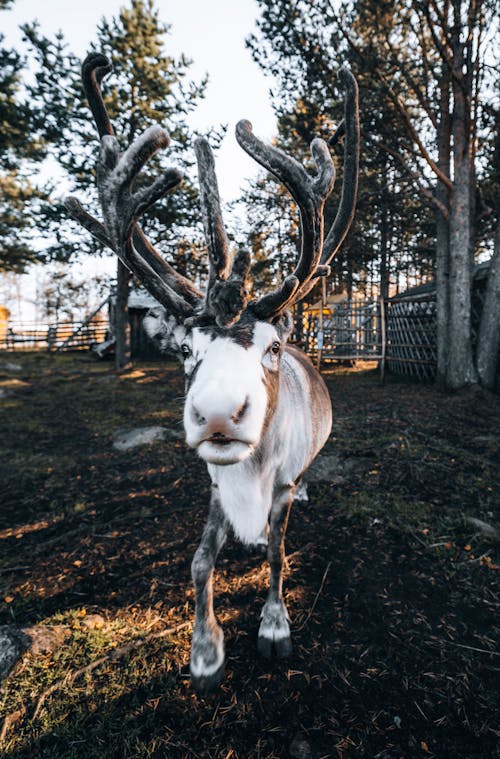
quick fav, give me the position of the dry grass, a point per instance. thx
(392, 591)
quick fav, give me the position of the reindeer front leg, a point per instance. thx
(207, 648)
(274, 629)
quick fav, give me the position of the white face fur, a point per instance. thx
(229, 381)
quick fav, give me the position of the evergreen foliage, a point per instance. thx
(20, 150)
(147, 86)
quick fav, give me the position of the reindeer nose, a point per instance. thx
(236, 416)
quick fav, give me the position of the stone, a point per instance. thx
(16, 641)
(483, 527)
(125, 439)
(326, 468)
(13, 644)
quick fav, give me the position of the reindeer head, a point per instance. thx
(230, 346)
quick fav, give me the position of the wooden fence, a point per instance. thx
(412, 337)
(25, 336)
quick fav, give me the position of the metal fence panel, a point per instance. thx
(411, 336)
(352, 329)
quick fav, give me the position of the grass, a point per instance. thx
(391, 589)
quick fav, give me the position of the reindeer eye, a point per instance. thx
(185, 350)
(275, 347)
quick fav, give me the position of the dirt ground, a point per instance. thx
(392, 582)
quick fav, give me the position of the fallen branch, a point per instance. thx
(469, 648)
(113, 655)
(304, 623)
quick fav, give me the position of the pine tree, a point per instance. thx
(20, 148)
(148, 86)
(423, 81)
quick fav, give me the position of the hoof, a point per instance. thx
(281, 647)
(265, 647)
(204, 684)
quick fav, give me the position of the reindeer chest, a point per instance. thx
(245, 493)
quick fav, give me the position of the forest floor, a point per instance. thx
(391, 588)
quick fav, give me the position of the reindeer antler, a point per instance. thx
(122, 207)
(226, 296)
(310, 194)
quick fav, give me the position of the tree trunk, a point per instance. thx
(460, 368)
(443, 227)
(122, 325)
(384, 235)
(489, 330)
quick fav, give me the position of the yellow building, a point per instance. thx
(4, 321)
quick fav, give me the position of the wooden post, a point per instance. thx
(383, 340)
(321, 337)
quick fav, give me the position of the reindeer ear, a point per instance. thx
(284, 324)
(164, 329)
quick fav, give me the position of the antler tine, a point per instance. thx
(215, 233)
(134, 262)
(349, 126)
(310, 194)
(87, 221)
(94, 68)
(122, 207)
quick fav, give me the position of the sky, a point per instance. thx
(212, 34)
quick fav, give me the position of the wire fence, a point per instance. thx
(412, 336)
(398, 333)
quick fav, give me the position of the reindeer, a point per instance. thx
(256, 411)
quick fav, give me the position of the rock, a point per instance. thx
(44, 639)
(13, 644)
(484, 527)
(331, 468)
(125, 439)
(16, 641)
(300, 748)
(326, 468)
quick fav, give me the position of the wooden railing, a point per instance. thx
(349, 330)
(26, 336)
